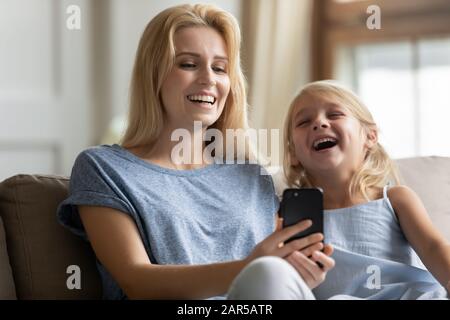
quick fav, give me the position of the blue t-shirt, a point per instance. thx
(213, 214)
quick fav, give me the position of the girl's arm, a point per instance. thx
(118, 246)
(431, 246)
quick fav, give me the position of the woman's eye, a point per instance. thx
(187, 65)
(219, 69)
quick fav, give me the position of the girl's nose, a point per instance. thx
(320, 124)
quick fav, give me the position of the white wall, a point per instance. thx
(45, 87)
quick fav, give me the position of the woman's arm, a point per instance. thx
(118, 246)
(431, 246)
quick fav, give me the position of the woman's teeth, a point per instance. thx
(201, 98)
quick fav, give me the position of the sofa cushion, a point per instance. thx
(7, 290)
(41, 250)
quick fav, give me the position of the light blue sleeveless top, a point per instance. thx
(373, 258)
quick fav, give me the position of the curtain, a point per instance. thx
(276, 59)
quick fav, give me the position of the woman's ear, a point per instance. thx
(372, 138)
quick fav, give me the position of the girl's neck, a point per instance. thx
(336, 191)
(187, 156)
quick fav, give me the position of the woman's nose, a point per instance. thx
(207, 78)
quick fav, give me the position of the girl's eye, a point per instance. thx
(301, 123)
(335, 114)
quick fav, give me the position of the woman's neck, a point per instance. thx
(183, 154)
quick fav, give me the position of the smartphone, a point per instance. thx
(302, 204)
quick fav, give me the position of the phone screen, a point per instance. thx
(302, 204)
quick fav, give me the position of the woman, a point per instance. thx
(162, 228)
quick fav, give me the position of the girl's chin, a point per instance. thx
(325, 164)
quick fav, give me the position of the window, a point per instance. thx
(406, 87)
(402, 72)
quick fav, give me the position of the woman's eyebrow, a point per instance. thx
(193, 54)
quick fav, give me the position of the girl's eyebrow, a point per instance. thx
(300, 113)
(334, 105)
(193, 54)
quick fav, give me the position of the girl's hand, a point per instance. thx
(309, 268)
(273, 244)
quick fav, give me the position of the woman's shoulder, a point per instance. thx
(98, 160)
(95, 155)
(98, 151)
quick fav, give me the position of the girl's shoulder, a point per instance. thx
(403, 197)
(399, 193)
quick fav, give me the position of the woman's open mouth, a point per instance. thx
(203, 100)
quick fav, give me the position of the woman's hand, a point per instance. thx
(273, 244)
(312, 264)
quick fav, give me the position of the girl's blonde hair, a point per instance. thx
(155, 58)
(377, 169)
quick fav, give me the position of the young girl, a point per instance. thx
(375, 224)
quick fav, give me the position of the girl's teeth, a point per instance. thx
(316, 143)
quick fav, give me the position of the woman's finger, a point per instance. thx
(286, 233)
(328, 250)
(326, 262)
(300, 244)
(317, 273)
(279, 223)
(294, 260)
(308, 251)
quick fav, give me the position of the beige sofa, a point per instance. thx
(35, 251)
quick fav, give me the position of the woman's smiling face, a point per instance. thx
(198, 84)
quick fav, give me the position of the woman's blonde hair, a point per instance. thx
(377, 169)
(155, 58)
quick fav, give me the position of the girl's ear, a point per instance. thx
(294, 160)
(372, 138)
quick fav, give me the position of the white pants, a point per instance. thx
(269, 278)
